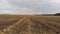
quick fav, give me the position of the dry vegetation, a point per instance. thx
(29, 24)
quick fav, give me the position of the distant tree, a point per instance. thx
(57, 14)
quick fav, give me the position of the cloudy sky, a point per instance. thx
(29, 6)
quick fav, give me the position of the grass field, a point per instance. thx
(16, 24)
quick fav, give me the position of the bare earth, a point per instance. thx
(16, 24)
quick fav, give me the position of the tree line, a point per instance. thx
(57, 14)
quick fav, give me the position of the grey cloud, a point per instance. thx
(38, 6)
(32, 6)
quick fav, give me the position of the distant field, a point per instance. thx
(16, 24)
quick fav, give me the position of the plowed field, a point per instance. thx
(29, 24)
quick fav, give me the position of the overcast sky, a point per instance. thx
(29, 6)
